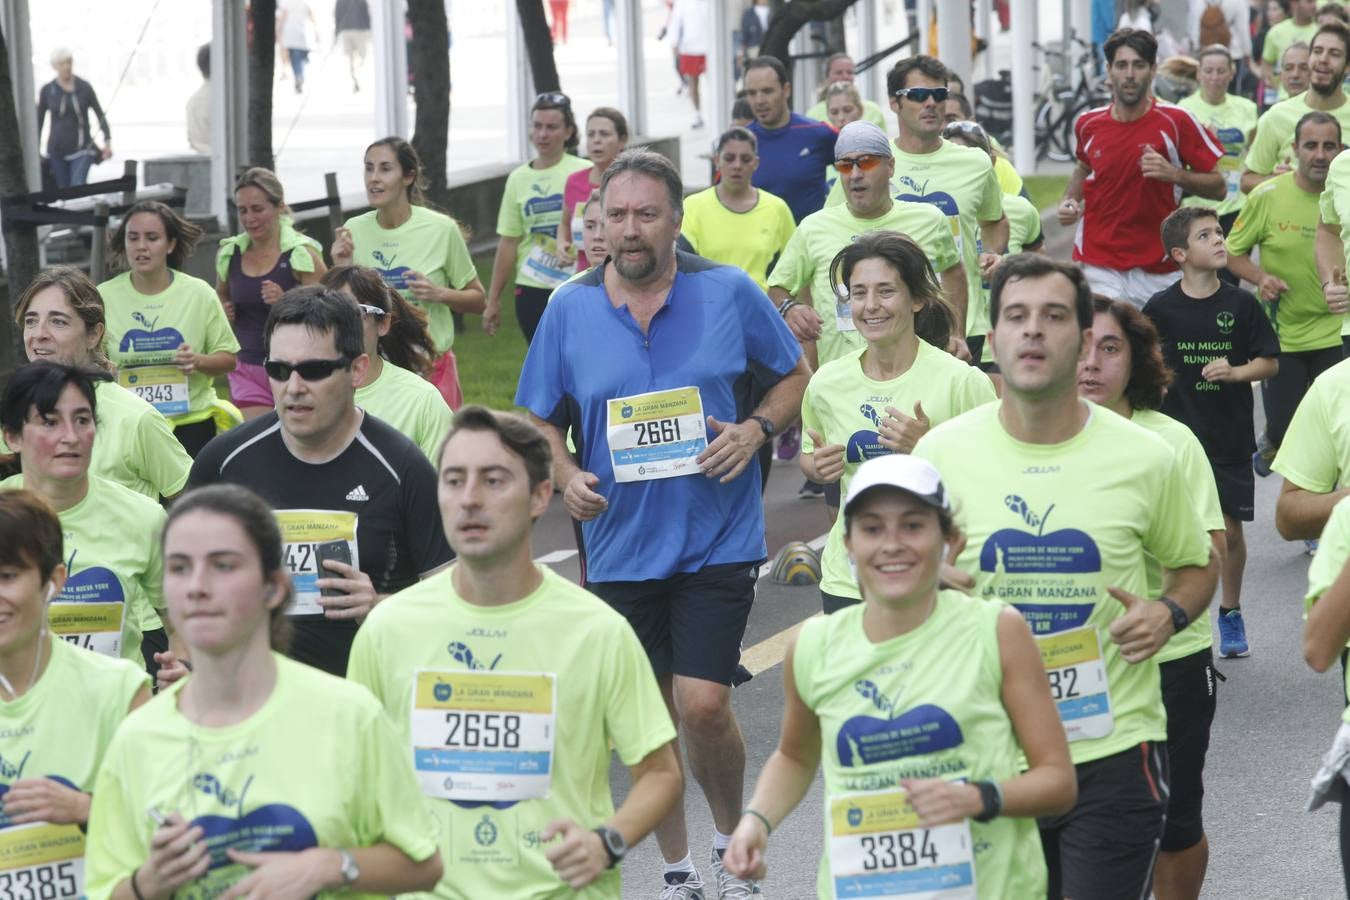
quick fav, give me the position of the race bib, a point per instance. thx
(843, 316)
(656, 435)
(545, 264)
(578, 229)
(41, 861)
(879, 850)
(1232, 178)
(1073, 662)
(484, 736)
(93, 626)
(163, 387)
(310, 536)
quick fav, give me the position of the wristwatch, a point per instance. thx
(613, 843)
(1180, 619)
(766, 424)
(350, 871)
(992, 798)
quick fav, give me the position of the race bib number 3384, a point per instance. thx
(879, 850)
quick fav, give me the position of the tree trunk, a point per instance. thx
(784, 24)
(21, 243)
(262, 54)
(431, 83)
(539, 44)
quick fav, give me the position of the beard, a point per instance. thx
(1328, 89)
(634, 271)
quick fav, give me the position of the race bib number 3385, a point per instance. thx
(879, 850)
(41, 861)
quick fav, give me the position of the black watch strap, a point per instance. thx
(614, 844)
(992, 798)
(1180, 618)
(765, 424)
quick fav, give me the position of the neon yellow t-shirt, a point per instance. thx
(146, 330)
(1280, 36)
(603, 692)
(1009, 181)
(926, 704)
(871, 113)
(1334, 205)
(751, 241)
(960, 181)
(135, 446)
(1281, 219)
(316, 766)
(1273, 144)
(116, 579)
(59, 730)
(1232, 123)
(1315, 454)
(1050, 527)
(410, 404)
(819, 238)
(430, 243)
(532, 207)
(845, 407)
(1199, 477)
(1024, 225)
(1332, 552)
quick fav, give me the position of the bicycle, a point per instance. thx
(1060, 103)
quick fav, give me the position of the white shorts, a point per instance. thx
(1132, 285)
(355, 43)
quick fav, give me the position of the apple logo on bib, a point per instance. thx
(864, 740)
(912, 191)
(149, 339)
(394, 276)
(865, 444)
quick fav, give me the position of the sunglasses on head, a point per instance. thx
(309, 370)
(552, 98)
(369, 310)
(921, 95)
(866, 163)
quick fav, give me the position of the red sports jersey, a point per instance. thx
(1122, 210)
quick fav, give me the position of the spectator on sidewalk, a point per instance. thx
(71, 150)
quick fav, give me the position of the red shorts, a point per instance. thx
(693, 66)
(445, 376)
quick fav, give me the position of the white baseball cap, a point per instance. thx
(908, 473)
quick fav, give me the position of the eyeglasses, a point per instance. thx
(309, 370)
(369, 310)
(866, 163)
(552, 98)
(922, 95)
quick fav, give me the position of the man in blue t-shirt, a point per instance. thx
(649, 359)
(795, 152)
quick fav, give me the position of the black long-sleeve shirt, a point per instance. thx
(70, 110)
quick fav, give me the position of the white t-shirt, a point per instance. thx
(689, 27)
(293, 35)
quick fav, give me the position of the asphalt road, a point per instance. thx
(1275, 718)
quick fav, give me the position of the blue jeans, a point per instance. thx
(298, 57)
(71, 172)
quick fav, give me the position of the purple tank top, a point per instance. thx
(250, 312)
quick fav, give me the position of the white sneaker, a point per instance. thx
(691, 888)
(698, 122)
(729, 887)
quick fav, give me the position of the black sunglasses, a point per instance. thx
(921, 95)
(552, 98)
(309, 370)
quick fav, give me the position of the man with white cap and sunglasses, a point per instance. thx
(1060, 501)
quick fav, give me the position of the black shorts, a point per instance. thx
(834, 495)
(832, 603)
(152, 642)
(1190, 694)
(1105, 847)
(1237, 489)
(975, 344)
(690, 624)
(195, 436)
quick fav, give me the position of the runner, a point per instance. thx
(1333, 261)
(1135, 158)
(355, 499)
(606, 136)
(530, 214)
(253, 269)
(733, 222)
(167, 332)
(1272, 149)
(1325, 639)
(417, 251)
(1217, 340)
(517, 628)
(958, 109)
(257, 776)
(1232, 119)
(1123, 371)
(61, 707)
(964, 673)
(593, 221)
(794, 150)
(113, 565)
(63, 321)
(1315, 457)
(1049, 534)
(647, 373)
(1299, 27)
(882, 398)
(1280, 219)
(400, 350)
(843, 104)
(1024, 219)
(840, 70)
(959, 182)
(1295, 73)
(800, 284)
